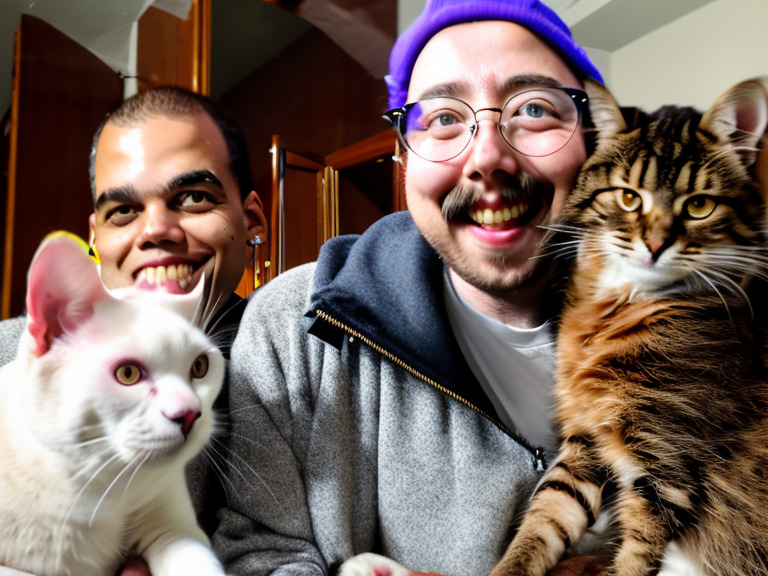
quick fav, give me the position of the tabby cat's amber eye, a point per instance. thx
(200, 366)
(700, 207)
(629, 200)
(128, 373)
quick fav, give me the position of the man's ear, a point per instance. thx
(255, 220)
(91, 227)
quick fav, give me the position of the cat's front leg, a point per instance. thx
(564, 505)
(369, 564)
(183, 555)
(644, 534)
(375, 565)
(172, 543)
(678, 563)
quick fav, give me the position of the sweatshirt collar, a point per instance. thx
(387, 284)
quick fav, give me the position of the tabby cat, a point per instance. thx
(106, 401)
(661, 385)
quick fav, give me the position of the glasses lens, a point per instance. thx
(539, 122)
(438, 129)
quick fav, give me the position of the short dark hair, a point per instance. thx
(175, 102)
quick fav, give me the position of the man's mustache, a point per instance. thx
(522, 188)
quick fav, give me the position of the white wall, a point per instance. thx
(694, 59)
(689, 61)
(407, 12)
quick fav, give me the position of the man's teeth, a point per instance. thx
(488, 216)
(159, 275)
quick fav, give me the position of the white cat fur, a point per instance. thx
(73, 497)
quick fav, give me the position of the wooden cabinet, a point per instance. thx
(314, 93)
(61, 93)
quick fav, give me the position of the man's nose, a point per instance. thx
(488, 151)
(161, 225)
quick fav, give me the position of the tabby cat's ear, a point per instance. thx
(605, 112)
(62, 287)
(741, 116)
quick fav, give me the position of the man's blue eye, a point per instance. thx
(534, 110)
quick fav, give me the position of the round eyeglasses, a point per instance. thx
(535, 122)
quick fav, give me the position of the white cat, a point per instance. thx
(105, 403)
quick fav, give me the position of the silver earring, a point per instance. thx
(255, 241)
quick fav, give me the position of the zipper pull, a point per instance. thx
(539, 463)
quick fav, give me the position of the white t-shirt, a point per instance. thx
(515, 366)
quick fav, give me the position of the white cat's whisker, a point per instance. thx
(211, 455)
(250, 407)
(92, 441)
(248, 467)
(248, 440)
(133, 475)
(208, 314)
(111, 485)
(85, 486)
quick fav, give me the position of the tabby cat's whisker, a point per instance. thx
(564, 249)
(714, 287)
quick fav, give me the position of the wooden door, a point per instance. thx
(61, 93)
(175, 52)
(315, 199)
(365, 181)
(298, 209)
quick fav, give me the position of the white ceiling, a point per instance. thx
(612, 24)
(104, 26)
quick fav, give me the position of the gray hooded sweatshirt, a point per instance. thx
(357, 425)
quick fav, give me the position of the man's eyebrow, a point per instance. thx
(193, 178)
(128, 194)
(119, 195)
(454, 89)
(517, 83)
(510, 86)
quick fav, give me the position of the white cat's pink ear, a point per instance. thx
(62, 287)
(740, 115)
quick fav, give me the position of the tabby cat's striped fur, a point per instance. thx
(662, 386)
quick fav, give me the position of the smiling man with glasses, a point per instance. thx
(393, 397)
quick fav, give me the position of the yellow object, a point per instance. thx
(90, 250)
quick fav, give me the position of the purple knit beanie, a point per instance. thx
(440, 14)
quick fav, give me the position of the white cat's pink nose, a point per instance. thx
(185, 420)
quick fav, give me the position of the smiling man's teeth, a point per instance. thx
(488, 216)
(159, 275)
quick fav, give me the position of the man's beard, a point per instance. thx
(456, 206)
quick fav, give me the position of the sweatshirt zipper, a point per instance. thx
(539, 463)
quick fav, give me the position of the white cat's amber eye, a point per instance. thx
(700, 207)
(200, 366)
(629, 200)
(128, 373)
